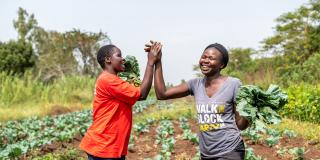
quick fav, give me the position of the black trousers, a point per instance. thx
(91, 157)
(237, 154)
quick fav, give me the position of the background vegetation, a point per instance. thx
(44, 69)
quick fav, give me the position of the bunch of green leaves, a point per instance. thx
(297, 152)
(250, 155)
(165, 130)
(140, 106)
(132, 72)
(187, 133)
(260, 106)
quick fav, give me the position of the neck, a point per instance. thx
(110, 70)
(212, 78)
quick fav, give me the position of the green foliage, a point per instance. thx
(297, 33)
(307, 71)
(142, 127)
(19, 137)
(240, 62)
(187, 133)
(164, 137)
(250, 155)
(304, 103)
(297, 152)
(16, 57)
(260, 106)
(289, 133)
(72, 52)
(132, 72)
(25, 25)
(16, 90)
(71, 154)
(272, 140)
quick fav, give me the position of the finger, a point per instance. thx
(147, 49)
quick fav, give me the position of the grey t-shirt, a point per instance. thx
(219, 133)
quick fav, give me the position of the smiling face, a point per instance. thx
(116, 61)
(211, 62)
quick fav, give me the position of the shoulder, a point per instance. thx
(235, 81)
(107, 78)
(196, 80)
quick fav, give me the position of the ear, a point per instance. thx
(107, 60)
(222, 66)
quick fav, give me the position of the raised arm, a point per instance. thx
(162, 92)
(148, 75)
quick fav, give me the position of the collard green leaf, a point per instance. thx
(260, 106)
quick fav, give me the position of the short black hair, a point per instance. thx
(222, 50)
(104, 52)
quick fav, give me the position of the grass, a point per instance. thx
(62, 155)
(25, 96)
(309, 131)
(40, 110)
(179, 107)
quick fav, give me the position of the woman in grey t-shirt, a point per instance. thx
(215, 96)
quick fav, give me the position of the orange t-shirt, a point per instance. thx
(109, 134)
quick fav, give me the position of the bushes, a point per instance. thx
(304, 103)
(16, 57)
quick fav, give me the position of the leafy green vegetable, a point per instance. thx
(297, 152)
(132, 72)
(260, 106)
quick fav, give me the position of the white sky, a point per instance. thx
(184, 27)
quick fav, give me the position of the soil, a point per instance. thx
(145, 147)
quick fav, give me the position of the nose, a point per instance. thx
(205, 60)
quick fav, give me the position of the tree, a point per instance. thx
(16, 57)
(72, 52)
(25, 24)
(297, 33)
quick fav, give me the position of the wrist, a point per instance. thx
(158, 62)
(150, 64)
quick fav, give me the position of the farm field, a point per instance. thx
(48, 76)
(162, 130)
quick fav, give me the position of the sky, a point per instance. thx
(184, 27)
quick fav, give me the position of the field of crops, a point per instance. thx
(153, 137)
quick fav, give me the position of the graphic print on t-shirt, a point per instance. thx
(210, 116)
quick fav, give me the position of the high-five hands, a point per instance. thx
(154, 48)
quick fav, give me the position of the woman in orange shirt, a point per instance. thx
(108, 136)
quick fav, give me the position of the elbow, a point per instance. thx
(143, 97)
(243, 125)
(161, 97)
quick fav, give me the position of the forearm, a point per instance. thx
(147, 81)
(160, 87)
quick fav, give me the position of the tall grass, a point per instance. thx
(27, 96)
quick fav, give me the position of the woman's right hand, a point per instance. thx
(154, 49)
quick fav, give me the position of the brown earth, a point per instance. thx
(145, 147)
